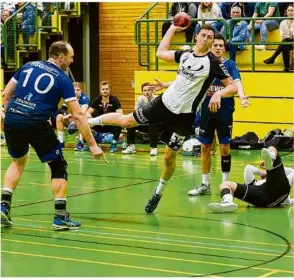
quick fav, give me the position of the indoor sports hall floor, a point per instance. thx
(118, 239)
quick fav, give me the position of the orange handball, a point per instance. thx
(182, 19)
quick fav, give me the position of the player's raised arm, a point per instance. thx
(164, 52)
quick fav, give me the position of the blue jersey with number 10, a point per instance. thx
(40, 86)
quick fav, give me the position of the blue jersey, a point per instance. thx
(227, 104)
(40, 86)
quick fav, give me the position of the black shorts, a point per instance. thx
(270, 194)
(41, 137)
(222, 123)
(175, 126)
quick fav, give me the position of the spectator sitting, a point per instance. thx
(47, 12)
(287, 34)
(64, 118)
(247, 8)
(152, 129)
(28, 23)
(209, 10)
(177, 7)
(239, 32)
(268, 10)
(103, 104)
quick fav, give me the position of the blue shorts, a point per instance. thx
(214, 122)
(41, 137)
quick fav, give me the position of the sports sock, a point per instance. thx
(6, 196)
(60, 206)
(226, 195)
(161, 186)
(81, 139)
(206, 179)
(95, 121)
(225, 176)
(60, 136)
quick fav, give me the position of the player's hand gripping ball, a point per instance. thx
(182, 19)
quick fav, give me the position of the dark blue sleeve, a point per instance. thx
(84, 100)
(16, 74)
(67, 88)
(233, 70)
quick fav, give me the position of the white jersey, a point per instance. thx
(195, 75)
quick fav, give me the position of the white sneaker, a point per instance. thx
(288, 201)
(223, 207)
(154, 152)
(268, 156)
(260, 47)
(201, 190)
(131, 149)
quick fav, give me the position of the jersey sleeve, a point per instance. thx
(84, 100)
(218, 70)
(15, 77)
(234, 71)
(178, 55)
(68, 92)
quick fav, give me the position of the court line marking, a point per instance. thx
(269, 273)
(165, 233)
(82, 248)
(49, 185)
(155, 242)
(122, 253)
(99, 262)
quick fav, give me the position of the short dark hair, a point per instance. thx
(144, 85)
(219, 36)
(57, 48)
(206, 27)
(105, 83)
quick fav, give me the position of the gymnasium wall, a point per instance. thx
(118, 54)
(271, 96)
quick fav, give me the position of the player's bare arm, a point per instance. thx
(83, 126)
(229, 90)
(8, 93)
(243, 98)
(159, 85)
(164, 52)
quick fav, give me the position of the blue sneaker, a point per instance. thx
(86, 148)
(152, 203)
(79, 146)
(65, 223)
(5, 216)
(113, 147)
(72, 128)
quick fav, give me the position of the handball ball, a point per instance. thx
(182, 19)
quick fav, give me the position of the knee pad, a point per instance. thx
(58, 168)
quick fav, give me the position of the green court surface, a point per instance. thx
(182, 238)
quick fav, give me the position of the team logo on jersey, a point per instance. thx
(222, 66)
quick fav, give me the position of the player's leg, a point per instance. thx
(249, 174)
(277, 184)
(18, 147)
(227, 190)
(114, 119)
(131, 134)
(207, 129)
(169, 165)
(224, 132)
(174, 140)
(153, 138)
(116, 130)
(47, 147)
